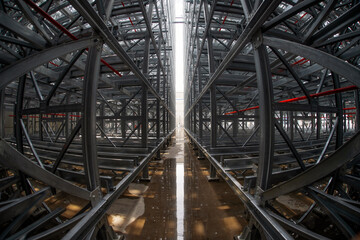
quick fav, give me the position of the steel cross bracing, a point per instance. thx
(87, 100)
(272, 101)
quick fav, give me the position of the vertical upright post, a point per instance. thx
(318, 125)
(89, 122)
(344, 118)
(167, 112)
(164, 109)
(291, 124)
(212, 91)
(236, 124)
(339, 128)
(213, 136)
(200, 89)
(144, 116)
(123, 120)
(18, 113)
(40, 127)
(158, 78)
(2, 113)
(17, 127)
(267, 131)
(158, 106)
(102, 114)
(67, 122)
(340, 113)
(144, 97)
(312, 115)
(357, 105)
(256, 120)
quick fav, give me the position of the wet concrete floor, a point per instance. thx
(178, 202)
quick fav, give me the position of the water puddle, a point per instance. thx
(180, 209)
(124, 211)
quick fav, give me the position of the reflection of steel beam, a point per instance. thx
(97, 212)
(270, 226)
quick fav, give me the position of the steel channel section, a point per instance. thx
(97, 212)
(268, 224)
(2, 113)
(357, 105)
(264, 82)
(89, 117)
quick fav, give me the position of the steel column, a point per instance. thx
(89, 120)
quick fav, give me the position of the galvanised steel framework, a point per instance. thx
(273, 104)
(87, 100)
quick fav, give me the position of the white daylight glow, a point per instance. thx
(177, 11)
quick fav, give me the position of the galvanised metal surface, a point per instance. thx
(273, 104)
(87, 100)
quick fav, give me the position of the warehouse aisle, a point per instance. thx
(179, 202)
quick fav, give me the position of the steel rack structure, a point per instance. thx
(273, 104)
(87, 100)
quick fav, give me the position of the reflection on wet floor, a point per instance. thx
(178, 202)
(180, 184)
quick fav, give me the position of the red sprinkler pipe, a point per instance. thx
(301, 18)
(350, 108)
(129, 17)
(64, 30)
(300, 62)
(226, 16)
(326, 93)
(53, 64)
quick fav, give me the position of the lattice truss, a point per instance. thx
(273, 104)
(87, 100)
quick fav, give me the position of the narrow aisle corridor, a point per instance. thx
(179, 202)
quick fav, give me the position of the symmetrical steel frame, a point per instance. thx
(272, 101)
(87, 100)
